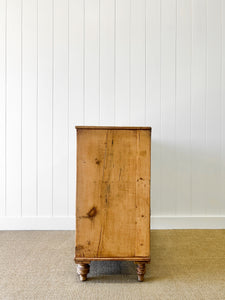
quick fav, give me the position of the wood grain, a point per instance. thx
(142, 205)
(113, 193)
(135, 259)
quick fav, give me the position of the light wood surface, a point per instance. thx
(134, 259)
(113, 127)
(113, 194)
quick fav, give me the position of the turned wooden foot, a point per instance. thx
(140, 270)
(82, 271)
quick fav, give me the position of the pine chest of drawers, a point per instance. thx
(113, 196)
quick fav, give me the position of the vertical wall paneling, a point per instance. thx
(91, 62)
(29, 107)
(213, 108)
(137, 61)
(159, 63)
(60, 108)
(168, 108)
(122, 63)
(2, 103)
(13, 109)
(45, 106)
(76, 86)
(198, 106)
(107, 61)
(153, 95)
(223, 104)
(183, 106)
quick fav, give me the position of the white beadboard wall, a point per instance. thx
(158, 63)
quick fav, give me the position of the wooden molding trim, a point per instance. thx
(78, 260)
(113, 127)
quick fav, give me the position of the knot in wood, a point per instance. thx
(92, 212)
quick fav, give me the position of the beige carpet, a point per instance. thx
(186, 264)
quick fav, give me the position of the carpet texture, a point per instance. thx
(186, 264)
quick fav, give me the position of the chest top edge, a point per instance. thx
(113, 127)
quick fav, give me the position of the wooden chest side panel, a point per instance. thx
(142, 243)
(113, 193)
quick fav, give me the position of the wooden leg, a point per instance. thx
(140, 270)
(83, 270)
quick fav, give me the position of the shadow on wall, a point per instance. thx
(187, 179)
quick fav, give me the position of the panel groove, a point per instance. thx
(130, 63)
(223, 98)
(175, 108)
(99, 63)
(21, 110)
(160, 96)
(2, 104)
(5, 200)
(114, 74)
(68, 106)
(190, 128)
(37, 116)
(145, 62)
(53, 78)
